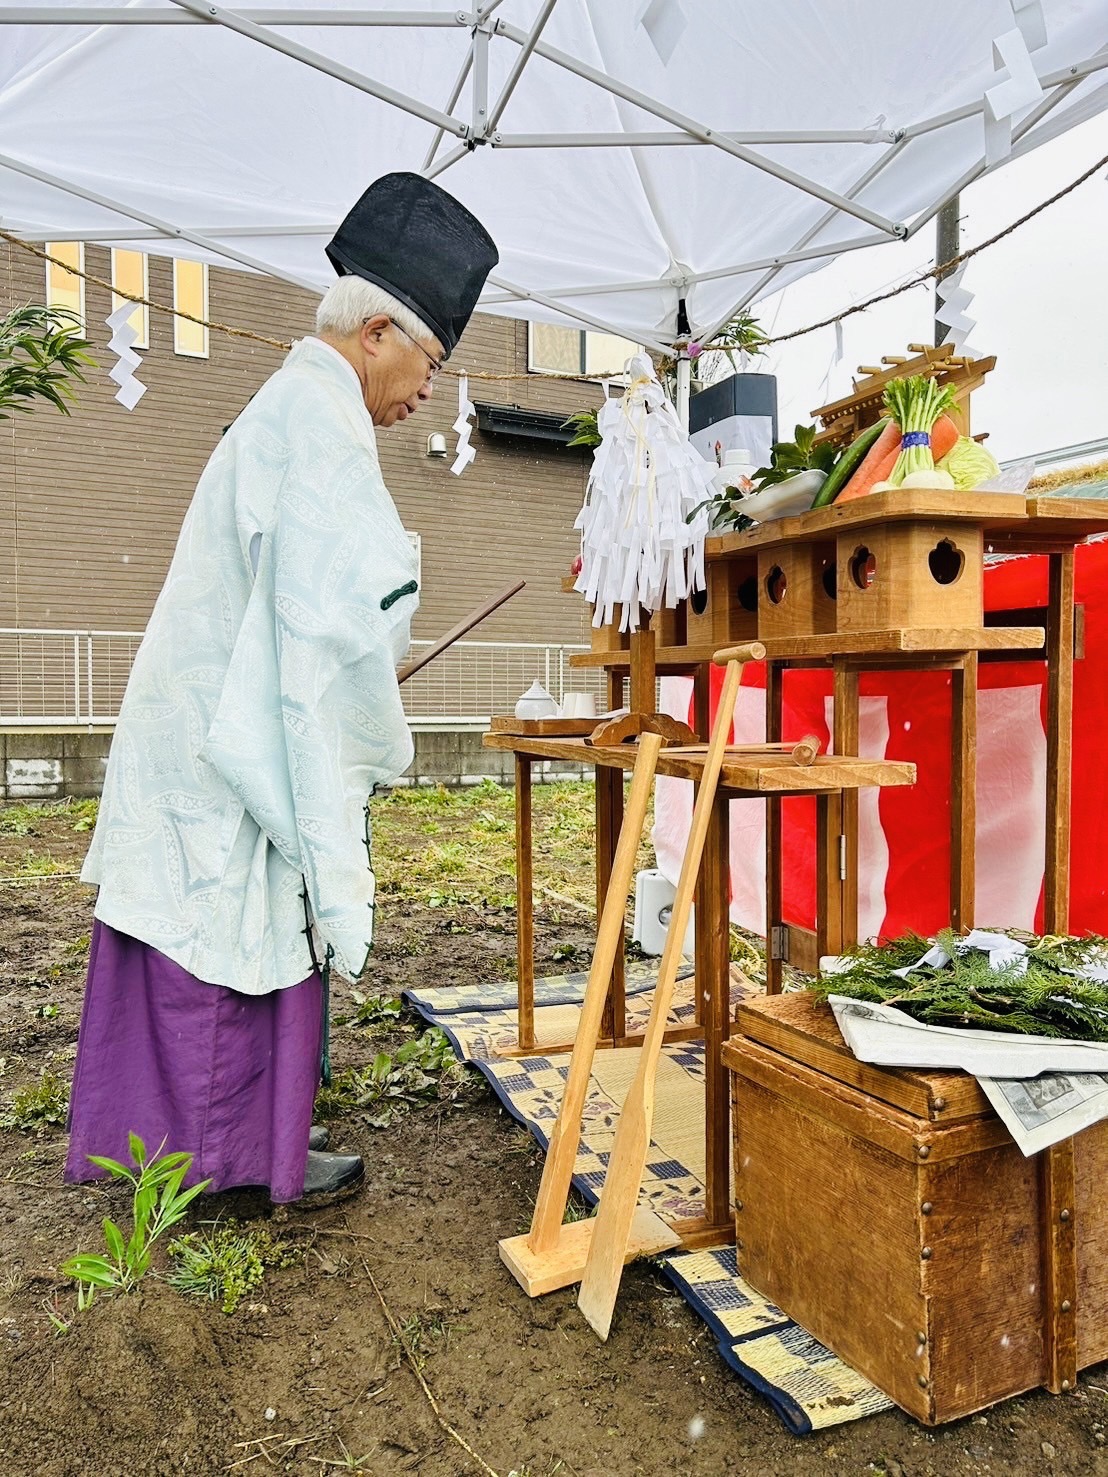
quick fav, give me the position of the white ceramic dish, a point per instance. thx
(783, 499)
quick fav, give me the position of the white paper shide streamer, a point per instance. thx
(130, 391)
(637, 549)
(956, 299)
(464, 453)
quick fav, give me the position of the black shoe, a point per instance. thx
(331, 1177)
(319, 1136)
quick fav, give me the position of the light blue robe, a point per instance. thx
(263, 704)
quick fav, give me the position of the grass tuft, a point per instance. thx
(225, 1263)
(37, 1108)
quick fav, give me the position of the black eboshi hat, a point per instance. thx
(417, 242)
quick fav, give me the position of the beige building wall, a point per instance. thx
(91, 504)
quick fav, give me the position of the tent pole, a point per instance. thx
(1032, 120)
(110, 15)
(1067, 76)
(687, 279)
(440, 166)
(452, 103)
(813, 231)
(520, 62)
(632, 140)
(684, 387)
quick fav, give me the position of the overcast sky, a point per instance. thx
(1041, 304)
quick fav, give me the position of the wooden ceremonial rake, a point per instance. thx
(611, 1238)
(553, 1255)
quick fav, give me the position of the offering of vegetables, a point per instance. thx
(849, 463)
(969, 464)
(916, 403)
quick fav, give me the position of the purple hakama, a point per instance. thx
(226, 1077)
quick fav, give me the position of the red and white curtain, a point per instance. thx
(904, 833)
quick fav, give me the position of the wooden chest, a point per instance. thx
(890, 1214)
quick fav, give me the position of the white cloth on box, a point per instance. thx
(263, 705)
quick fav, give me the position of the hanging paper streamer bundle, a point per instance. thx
(637, 547)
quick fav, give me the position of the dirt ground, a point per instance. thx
(311, 1377)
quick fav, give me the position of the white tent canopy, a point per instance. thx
(626, 155)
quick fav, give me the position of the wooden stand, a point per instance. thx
(742, 776)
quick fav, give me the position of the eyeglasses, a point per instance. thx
(436, 364)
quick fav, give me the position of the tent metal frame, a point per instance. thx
(481, 129)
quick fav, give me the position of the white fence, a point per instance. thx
(61, 678)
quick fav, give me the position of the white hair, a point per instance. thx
(348, 302)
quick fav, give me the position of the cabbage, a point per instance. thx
(969, 463)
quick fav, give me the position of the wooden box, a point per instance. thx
(796, 590)
(925, 574)
(890, 1214)
(726, 611)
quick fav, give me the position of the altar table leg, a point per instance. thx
(609, 818)
(713, 986)
(525, 906)
(963, 793)
(837, 924)
(1059, 740)
(774, 894)
(1058, 1186)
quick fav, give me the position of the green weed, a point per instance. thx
(225, 1263)
(158, 1203)
(35, 1109)
(422, 1334)
(347, 1462)
(370, 1010)
(422, 1070)
(24, 820)
(34, 863)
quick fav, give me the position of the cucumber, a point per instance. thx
(851, 459)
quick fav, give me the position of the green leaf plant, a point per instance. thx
(42, 350)
(158, 1203)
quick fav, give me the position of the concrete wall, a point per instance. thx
(50, 766)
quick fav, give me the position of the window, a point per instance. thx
(557, 350)
(190, 295)
(130, 276)
(64, 289)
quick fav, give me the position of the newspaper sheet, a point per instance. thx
(889, 1037)
(1040, 1111)
(1043, 1090)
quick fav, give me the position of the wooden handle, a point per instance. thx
(561, 1154)
(753, 651)
(806, 751)
(627, 1160)
(473, 619)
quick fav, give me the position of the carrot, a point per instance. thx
(879, 462)
(882, 457)
(944, 435)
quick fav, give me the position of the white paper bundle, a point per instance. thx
(637, 547)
